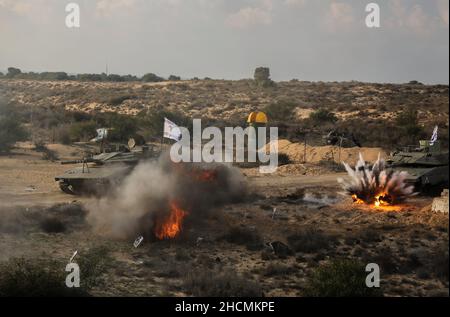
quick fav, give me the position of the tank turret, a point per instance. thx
(426, 164)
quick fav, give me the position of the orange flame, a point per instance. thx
(380, 201)
(356, 200)
(171, 226)
(206, 176)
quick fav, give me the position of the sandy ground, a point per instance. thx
(404, 239)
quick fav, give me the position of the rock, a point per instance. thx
(440, 204)
(280, 249)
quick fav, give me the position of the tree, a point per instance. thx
(11, 129)
(174, 78)
(115, 78)
(12, 72)
(408, 122)
(262, 77)
(151, 78)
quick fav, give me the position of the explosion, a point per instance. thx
(170, 226)
(375, 185)
(160, 199)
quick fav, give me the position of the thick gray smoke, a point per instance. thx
(147, 193)
(376, 184)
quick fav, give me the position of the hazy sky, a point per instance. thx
(305, 39)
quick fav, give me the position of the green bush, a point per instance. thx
(213, 283)
(174, 78)
(93, 263)
(408, 122)
(35, 278)
(83, 131)
(244, 236)
(122, 127)
(322, 116)
(311, 240)
(280, 111)
(340, 278)
(151, 78)
(11, 129)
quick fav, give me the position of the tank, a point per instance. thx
(96, 174)
(427, 165)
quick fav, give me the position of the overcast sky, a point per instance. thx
(306, 39)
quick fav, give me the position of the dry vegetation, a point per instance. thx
(307, 248)
(383, 115)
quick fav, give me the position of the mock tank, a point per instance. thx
(96, 174)
(427, 165)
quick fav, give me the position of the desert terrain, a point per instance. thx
(303, 214)
(282, 237)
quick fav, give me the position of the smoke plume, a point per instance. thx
(376, 184)
(147, 194)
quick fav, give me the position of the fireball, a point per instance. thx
(376, 185)
(170, 226)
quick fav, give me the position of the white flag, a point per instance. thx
(171, 130)
(434, 137)
(101, 135)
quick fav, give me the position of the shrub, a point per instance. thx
(52, 225)
(35, 278)
(280, 111)
(322, 115)
(385, 258)
(83, 131)
(283, 159)
(310, 240)
(47, 154)
(174, 78)
(11, 129)
(408, 122)
(214, 283)
(93, 263)
(12, 72)
(277, 269)
(151, 78)
(244, 236)
(440, 264)
(340, 278)
(122, 127)
(62, 135)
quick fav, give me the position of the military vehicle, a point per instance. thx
(427, 165)
(99, 172)
(337, 138)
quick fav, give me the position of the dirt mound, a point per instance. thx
(315, 154)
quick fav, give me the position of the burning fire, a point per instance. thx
(170, 226)
(206, 176)
(375, 185)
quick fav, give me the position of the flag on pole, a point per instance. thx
(102, 134)
(434, 137)
(171, 130)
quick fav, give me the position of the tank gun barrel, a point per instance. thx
(89, 160)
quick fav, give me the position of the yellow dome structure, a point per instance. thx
(258, 118)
